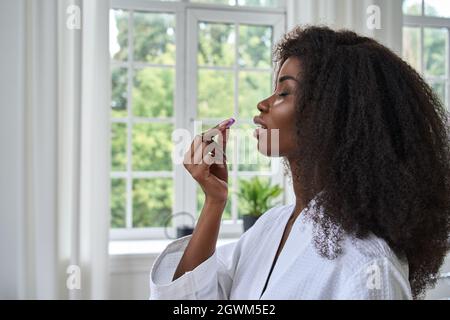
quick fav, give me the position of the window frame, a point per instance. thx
(185, 15)
(423, 21)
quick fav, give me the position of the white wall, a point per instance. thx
(130, 276)
(12, 119)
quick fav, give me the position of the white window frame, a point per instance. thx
(422, 22)
(186, 14)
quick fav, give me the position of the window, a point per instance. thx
(162, 82)
(233, 69)
(142, 116)
(426, 42)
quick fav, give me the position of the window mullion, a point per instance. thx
(422, 60)
(179, 203)
(447, 70)
(190, 89)
(129, 187)
(235, 166)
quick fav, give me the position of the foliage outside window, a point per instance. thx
(425, 43)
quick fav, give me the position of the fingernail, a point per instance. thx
(227, 123)
(230, 122)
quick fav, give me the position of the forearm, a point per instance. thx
(204, 238)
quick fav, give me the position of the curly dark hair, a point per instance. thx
(373, 136)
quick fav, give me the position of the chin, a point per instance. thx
(268, 150)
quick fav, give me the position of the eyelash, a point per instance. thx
(283, 94)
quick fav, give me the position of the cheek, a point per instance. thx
(287, 138)
(284, 119)
(282, 142)
(283, 115)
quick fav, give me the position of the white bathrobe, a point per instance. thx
(366, 269)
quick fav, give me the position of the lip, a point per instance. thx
(258, 121)
(258, 131)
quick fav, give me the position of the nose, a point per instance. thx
(263, 106)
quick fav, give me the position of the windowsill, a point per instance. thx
(147, 247)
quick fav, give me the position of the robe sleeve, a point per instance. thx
(210, 280)
(380, 279)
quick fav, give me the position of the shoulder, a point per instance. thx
(360, 251)
(374, 269)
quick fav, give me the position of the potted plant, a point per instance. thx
(255, 197)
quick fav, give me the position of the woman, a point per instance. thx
(366, 141)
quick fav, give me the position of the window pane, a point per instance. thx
(439, 89)
(253, 87)
(411, 47)
(435, 51)
(201, 200)
(216, 44)
(153, 92)
(152, 147)
(119, 92)
(152, 202)
(118, 35)
(437, 8)
(259, 3)
(412, 7)
(227, 2)
(215, 94)
(118, 146)
(255, 43)
(154, 38)
(118, 203)
(249, 158)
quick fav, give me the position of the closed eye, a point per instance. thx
(283, 94)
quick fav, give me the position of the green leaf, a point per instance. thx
(257, 196)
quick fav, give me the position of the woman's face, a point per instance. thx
(277, 137)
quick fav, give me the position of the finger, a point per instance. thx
(198, 153)
(189, 155)
(195, 143)
(210, 150)
(201, 153)
(222, 140)
(207, 161)
(216, 152)
(209, 134)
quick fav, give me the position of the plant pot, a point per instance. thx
(248, 221)
(184, 231)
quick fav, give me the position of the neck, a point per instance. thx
(300, 202)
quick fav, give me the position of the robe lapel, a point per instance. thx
(271, 246)
(297, 242)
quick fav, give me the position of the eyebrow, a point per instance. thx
(284, 78)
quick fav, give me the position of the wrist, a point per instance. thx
(216, 203)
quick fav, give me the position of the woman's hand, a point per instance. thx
(206, 162)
